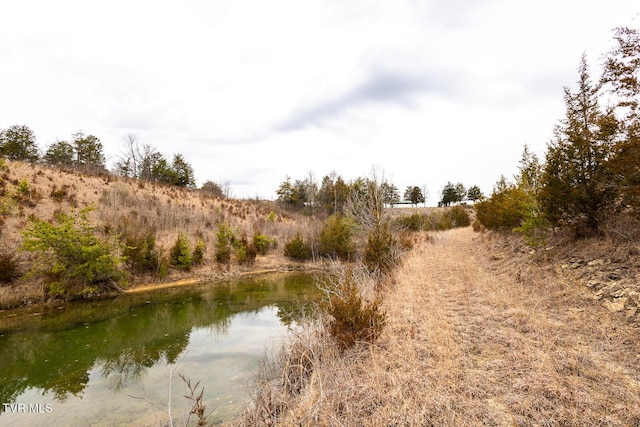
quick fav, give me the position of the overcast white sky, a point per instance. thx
(252, 91)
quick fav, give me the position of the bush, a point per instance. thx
(297, 249)
(380, 253)
(505, 209)
(223, 255)
(413, 222)
(163, 265)
(141, 254)
(198, 252)
(534, 231)
(353, 321)
(459, 216)
(180, 254)
(335, 238)
(8, 267)
(244, 251)
(74, 261)
(262, 243)
(25, 195)
(224, 236)
(58, 195)
(440, 222)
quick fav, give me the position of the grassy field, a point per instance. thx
(474, 338)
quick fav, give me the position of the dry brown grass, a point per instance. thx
(129, 206)
(475, 338)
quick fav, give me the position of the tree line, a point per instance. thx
(591, 170)
(331, 194)
(85, 153)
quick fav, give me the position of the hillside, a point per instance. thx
(125, 207)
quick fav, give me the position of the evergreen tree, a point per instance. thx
(71, 257)
(184, 176)
(577, 187)
(19, 143)
(461, 193)
(414, 194)
(449, 194)
(474, 194)
(60, 154)
(88, 151)
(530, 171)
(287, 194)
(163, 172)
(333, 193)
(622, 77)
(149, 166)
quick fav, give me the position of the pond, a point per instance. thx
(117, 361)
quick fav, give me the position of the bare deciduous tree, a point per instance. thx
(366, 200)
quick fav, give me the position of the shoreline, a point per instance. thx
(231, 276)
(30, 295)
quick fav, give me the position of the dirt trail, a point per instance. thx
(472, 340)
(510, 347)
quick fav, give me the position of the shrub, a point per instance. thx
(413, 222)
(441, 222)
(335, 238)
(74, 261)
(353, 321)
(58, 195)
(534, 231)
(244, 251)
(7, 205)
(8, 267)
(224, 236)
(141, 253)
(223, 255)
(241, 255)
(180, 254)
(25, 195)
(262, 243)
(297, 249)
(380, 253)
(459, 216)
(163, 265)
(507, 208)
(198, 252)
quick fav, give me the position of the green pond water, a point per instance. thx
(111, 362)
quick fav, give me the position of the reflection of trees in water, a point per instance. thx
(296, 310)
(133, 335)
(125, 368)
(220, 327)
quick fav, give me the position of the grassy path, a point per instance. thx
(473, 340)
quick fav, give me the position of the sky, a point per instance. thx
(253, 91)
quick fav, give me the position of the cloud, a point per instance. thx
(381, 87)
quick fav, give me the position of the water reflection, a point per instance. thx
(56, 351)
